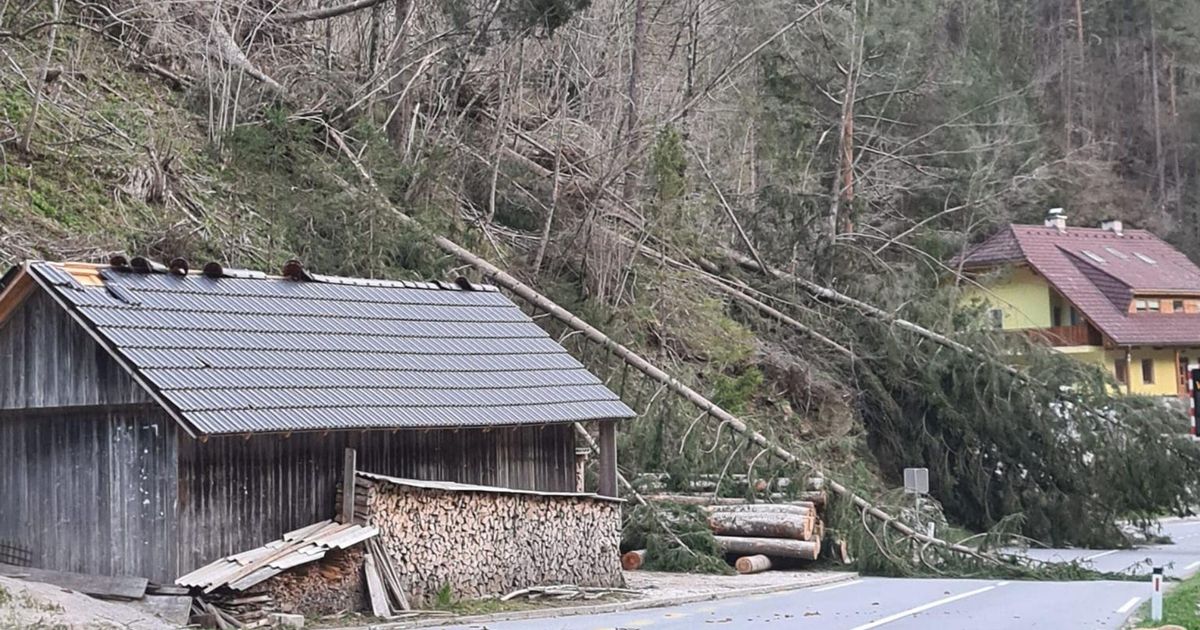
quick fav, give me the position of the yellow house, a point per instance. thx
(1124, 299)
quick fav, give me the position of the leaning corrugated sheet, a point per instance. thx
(257, 354)
(307, 544)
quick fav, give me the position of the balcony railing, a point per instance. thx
(1058, 336)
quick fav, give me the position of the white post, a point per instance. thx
(1156, 597)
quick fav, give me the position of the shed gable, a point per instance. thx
(48, 360)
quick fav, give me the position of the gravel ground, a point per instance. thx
(37, 605)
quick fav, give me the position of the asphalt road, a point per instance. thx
(924, 604)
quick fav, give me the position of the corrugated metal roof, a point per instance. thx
(241, 571)
(248, 353)
(451, 486)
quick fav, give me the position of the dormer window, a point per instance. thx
(1148, 306)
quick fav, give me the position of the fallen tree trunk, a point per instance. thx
(780, 547)
(633, 560)
(506, 280)
(762, 524)
(752, 564)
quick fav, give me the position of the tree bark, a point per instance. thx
(398, 123)
(780, 547)
(762, 524)
(1160, 166)
(629, 188)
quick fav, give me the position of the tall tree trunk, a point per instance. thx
(40, 86)
(1160, 166)
(840, 211)
(398, 122)
(629, 189)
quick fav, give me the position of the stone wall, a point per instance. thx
(490, 541)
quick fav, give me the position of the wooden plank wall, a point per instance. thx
(91, 490)
(48, 360)
(237, 493)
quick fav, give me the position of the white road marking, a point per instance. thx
(1101, 554)
(1002, 583)
(1128, 606)
(822, 589)
(1192, 566)
(922, 608)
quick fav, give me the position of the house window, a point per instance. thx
(996, 316)
(1148, 306)
(1121, 371)
(1074, 317)
(1177, 306)
(1148, 371)
(1056, 318)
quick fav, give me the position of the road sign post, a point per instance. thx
(1156, 579)
(916, 483)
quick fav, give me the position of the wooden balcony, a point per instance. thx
(1059, 336)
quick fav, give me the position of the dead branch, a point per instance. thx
(326, 12)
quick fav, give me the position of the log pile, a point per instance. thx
(489, 541)
(756, 536)
(332, 585)
(226, 609)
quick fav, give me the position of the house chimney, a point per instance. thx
(1113, 225)
(1057, 219)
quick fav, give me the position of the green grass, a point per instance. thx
(1179, 606)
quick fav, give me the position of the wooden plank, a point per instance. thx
(174, 609)
(348, 475)
(608, 459)
(379, 604)
(113, 587)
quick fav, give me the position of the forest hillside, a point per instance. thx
(637, 161)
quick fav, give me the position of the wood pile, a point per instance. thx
(227, 609)
(490, 541)
(332, 585)
(756, 536)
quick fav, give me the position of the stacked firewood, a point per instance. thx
(332, 585)
(481, 543)
(756, 535)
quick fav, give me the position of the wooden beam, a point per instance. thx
(348, 475)
(608, 459)
(14, 295)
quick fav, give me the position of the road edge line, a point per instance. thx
(599, 609)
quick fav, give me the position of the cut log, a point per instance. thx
(794, 509)
(633, 560)
(752, 564)
(817, 499)
(762, 524)
(781, 547)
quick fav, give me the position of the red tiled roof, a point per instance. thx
(1099, 272)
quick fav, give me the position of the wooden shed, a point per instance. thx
(152, 420)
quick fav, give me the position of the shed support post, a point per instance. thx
(608, 459)
(348, 475)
